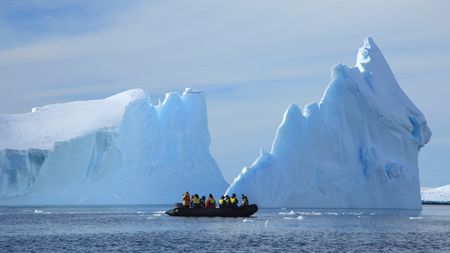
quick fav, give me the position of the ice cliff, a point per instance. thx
(355, 148)
(118, 150)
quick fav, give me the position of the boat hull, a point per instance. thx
(213, 212)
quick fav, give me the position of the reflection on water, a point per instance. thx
(147, 228)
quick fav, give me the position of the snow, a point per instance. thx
(356, 148)
(436, 195)
(117, 150)
(47, 125)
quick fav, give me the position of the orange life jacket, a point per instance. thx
(186, 199)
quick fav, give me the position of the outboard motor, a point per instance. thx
(178, 205)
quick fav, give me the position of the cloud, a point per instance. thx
(167, 44)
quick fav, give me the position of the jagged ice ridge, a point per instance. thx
(355, 148)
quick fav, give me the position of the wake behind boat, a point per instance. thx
(180, 210)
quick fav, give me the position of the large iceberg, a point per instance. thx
(118, 150)
(356, 148)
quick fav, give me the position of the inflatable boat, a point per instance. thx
(179, 210)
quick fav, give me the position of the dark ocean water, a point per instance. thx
(147, 229)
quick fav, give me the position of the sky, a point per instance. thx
(252, 58)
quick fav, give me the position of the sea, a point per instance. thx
(149, 229)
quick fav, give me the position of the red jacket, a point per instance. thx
(210, 203)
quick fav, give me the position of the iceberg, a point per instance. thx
(439, 195)
(118, 150)
(355, 148)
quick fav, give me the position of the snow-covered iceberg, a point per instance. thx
(356, 148)
(118, 150)
(439, 195)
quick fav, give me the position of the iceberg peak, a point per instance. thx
(370, 44)
(369, 52)
(292, 114)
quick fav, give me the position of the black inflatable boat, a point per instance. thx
(213, 212)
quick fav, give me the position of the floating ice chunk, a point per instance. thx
(293, 218)
(310, 213)
(437, 195)
(354, 213)
(287, 213)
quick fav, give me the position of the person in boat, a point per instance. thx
(233, 201)
(210, 202)
(244, 201)
(186, 200)
(196, 201)
(222, 202)
(202, 201)
(227, 201)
